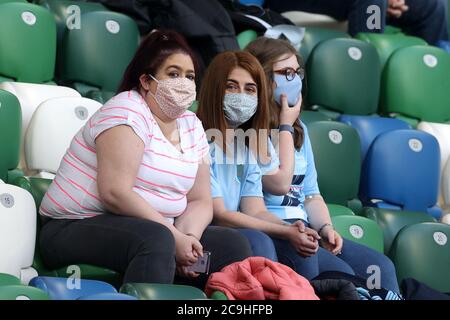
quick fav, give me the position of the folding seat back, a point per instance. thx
(27, 43)
(52, 127)
(316, 35)
(402, 170)
(344, 76)
(10, 131)
(392, 221)
(361, 230)
(387, 44)
(338, 162)
(95, 57)
(371, 127)
(19, 292)
(155, 291)
(442, 133)
(30, 97)
(422, 252)
(415, 84)
(17, 232)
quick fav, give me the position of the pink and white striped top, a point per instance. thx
(165, 176)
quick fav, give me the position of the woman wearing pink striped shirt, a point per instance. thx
(132, 192)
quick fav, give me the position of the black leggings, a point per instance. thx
(142, 250)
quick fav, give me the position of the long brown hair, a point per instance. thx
(268, 52)
(212, 93)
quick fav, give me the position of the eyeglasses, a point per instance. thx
(290, 73)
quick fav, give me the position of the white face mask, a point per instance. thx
(174, 95)
(239, 108)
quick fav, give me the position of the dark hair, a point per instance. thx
(268, 51)
(154, 49)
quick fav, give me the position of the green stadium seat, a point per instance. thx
(27, 43)
(154, 291)
(6, 1)
(337, 210)
(217, 295)
(95, 57)
(422, 252)
(10, 133)
(245, 37)
(309, 116)
(336, 148)
(344, 76)
(415, 84)
(387, 44)
(392, 221)
(17, 292)
(361, 230)
(8, 280)
(316, 35)
(38, 187)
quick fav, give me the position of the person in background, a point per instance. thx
(424, 19)
(298, 198)
(132, 193)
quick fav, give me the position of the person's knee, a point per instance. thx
(155, 238)
(235, 243)
(261, 244)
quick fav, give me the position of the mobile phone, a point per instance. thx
(202, 264)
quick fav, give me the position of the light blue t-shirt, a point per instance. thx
(304, 183)
(232, 179)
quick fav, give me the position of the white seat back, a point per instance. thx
(52, 128)
(306, 19)
(17, 230)
(30, 96)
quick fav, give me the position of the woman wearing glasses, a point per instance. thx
(290, 184)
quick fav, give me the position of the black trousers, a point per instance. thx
(425, 18)
(142, 250)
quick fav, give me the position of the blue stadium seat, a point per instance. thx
(371, 127)
(401, 172)
(109, 296)
(252, 2)
(68, 289)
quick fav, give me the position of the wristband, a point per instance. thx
(286, 127)
(323, 226)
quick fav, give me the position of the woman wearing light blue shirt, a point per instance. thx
(297, 197)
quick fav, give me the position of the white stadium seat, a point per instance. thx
(30, 97)
(17, 232)
(52, 127)
(442, 133)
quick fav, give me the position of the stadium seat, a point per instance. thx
(8, 280)
(245, 37)
(27, 54)
(446, 183)
(337, 210)
(338, 162)
(252, 2)
(371, 127)
(37, 187)
(442, 133)
(154, 291)
(415, 84)
(19, 292)
(392, 221)
(47, 140)
(71, 288)
(17, 232)
(338, 70)
(10, 131)
(316, 35)
(309, 116)
(361, 230)
(108, 296)
(387, 44)
(94, 58)
(401, 171)
(422, 252)
(30, 97)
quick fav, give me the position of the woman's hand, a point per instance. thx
(288, 115)
(331, 240)
(188, 249)
(305, 243)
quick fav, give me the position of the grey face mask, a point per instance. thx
(239, 108)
